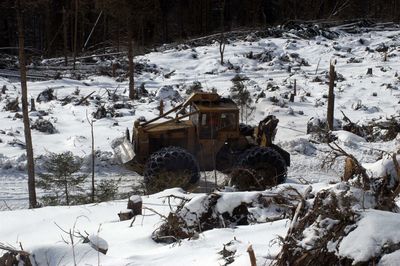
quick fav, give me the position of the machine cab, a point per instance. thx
(215, 119)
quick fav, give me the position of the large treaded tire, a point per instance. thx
(170, 167)
(267, 166)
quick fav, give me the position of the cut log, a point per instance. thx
(85, 98)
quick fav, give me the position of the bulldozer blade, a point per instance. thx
(123, 149)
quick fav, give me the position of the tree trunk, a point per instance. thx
(75, 31)
(104, 32)
(93, 158)
(118, 35)
(65, 37)
(222, 36)
(331, 96)
(27, 129)
(222, 48)
(66, 191)
(48, 28)
(131, 66)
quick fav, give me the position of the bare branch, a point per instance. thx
(11, 249)
(152, 210)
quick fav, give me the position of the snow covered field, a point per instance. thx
(265, 63)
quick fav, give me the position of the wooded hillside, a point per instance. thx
(50, 24)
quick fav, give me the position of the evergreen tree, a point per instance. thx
(62, 178)
(242, 97)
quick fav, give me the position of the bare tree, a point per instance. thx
(91, 123)
(65, 36)
(222, 38)
(339, 7)
(130, 59)
(75, 30)
(25, 113)
(331, 96)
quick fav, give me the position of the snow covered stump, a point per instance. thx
(97, 243)
(135, 204)
(134, 208)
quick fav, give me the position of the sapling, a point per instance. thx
(61, 178)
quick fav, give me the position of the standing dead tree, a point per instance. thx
(91, 123)
(131, 64)
(339, 7)
(65, 36)
(76, 31)
(331, 96)
(25, 112)
(222, 38)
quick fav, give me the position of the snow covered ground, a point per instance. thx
(265, 63)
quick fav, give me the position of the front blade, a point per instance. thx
(123, 149)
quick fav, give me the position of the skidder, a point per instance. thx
(205, 134)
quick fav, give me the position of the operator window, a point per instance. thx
(203, 119)
(228, 121)
(208, 128)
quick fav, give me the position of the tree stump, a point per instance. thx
(331, 96)
(98, 243)
(114, 69)
(135, 204)
(125, 215)
(134, 208)
(291, 98)
(33, 108)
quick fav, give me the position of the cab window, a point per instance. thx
(228, 121)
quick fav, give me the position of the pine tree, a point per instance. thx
(243, 99)
(61, 178)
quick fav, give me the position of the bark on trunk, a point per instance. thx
(75, 31)
(131, 66)
(65, 37)
(331, 97)
(66, 191)
(25, 113)
(93, 159)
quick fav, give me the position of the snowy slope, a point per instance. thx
(130, 245)
(353, 54)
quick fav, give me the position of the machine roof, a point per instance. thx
(218, 106)
(171, 125)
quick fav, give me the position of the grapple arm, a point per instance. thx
(266, 131)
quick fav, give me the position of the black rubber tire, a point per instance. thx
(225, 159)
(268, 166)
(170, 167)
